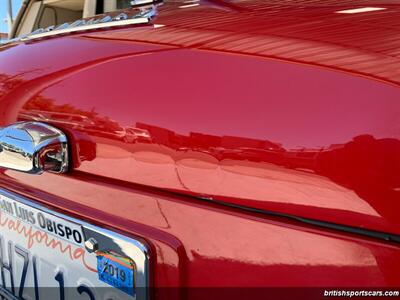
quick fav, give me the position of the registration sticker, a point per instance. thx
(117, 271)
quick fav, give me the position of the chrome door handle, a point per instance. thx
(33, 147)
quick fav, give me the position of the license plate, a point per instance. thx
(47, 255)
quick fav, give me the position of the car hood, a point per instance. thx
(273, 107)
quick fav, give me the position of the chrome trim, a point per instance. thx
(138, 16)
(107, 240)
(33, 147)
(142, 2)
(75, 28)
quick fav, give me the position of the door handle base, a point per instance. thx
(33, 147)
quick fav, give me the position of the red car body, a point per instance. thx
(250, 143)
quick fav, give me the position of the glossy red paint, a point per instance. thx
(197, 244)
(274, 106)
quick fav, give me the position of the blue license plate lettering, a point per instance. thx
(13, 280)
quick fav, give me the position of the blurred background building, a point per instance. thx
(5, 15)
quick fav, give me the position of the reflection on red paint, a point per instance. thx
(282, 106)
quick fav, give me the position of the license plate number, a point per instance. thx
(43, 256)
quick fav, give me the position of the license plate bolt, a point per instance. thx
(91, 245)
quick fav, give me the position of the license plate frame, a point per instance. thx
(133, 249)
